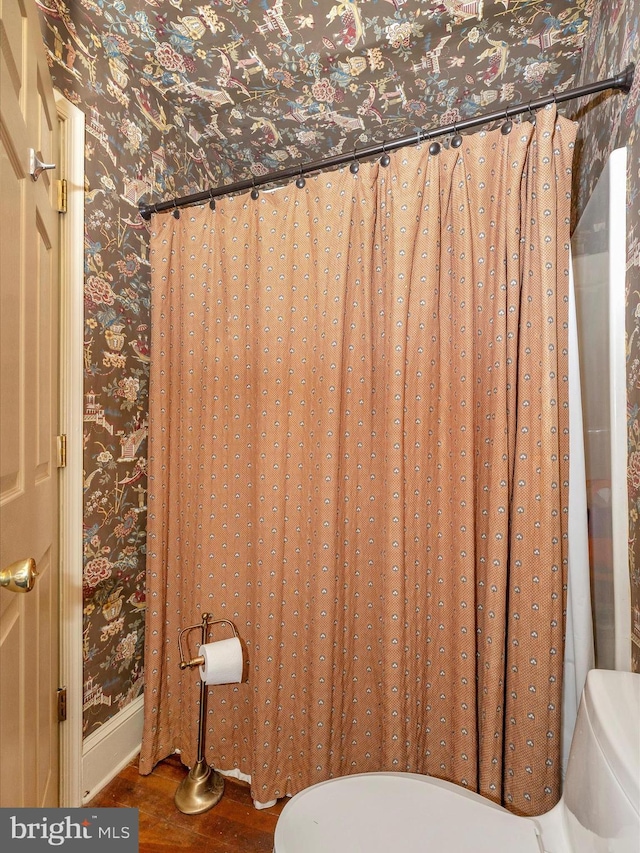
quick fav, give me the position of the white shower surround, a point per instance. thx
(606, 208)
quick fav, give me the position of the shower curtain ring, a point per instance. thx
(385, 159)
(532, 117)
(212, 201)
(254, 192)
(353, 168)
(506, 127)
(175, 213)
(434, 148)
(456, 140)
(300, 181)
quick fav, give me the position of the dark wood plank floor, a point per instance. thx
(232, 826)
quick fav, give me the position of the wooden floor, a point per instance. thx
(232, 826)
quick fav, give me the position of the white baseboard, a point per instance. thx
(108, 750)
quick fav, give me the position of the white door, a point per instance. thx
(28, 415)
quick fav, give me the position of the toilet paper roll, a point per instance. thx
(222, 662)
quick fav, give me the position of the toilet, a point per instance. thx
(599, 811)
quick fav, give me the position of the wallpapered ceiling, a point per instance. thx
(181, 95)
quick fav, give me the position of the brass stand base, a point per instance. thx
(200, 790)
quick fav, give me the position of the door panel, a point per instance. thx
(28, 415)
(11, 407)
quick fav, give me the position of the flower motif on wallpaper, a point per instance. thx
(129, 266)
(95, 571)
(105, 458)
(126, 647)
(98, 290)
(170, 59)
(402, 36)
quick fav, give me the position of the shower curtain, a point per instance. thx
(359, 455)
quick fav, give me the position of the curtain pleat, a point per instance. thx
(359, 455)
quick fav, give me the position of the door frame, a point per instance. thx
(71, 410)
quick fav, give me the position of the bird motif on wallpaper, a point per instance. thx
(140, 346)
(87, 480)
(138, 599)
(305, 22)
(271, 136)
(352, 26)
(155, 115)
(497, 54)
(224, 78)
(215, 97)
(366, 108)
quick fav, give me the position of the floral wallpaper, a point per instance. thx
(182, 95)
(612, 42)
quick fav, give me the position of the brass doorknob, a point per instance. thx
(19, 576)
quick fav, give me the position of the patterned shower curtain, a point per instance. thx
(359, 455)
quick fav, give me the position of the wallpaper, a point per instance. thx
(180, 95)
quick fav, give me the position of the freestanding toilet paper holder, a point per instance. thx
(202, 788)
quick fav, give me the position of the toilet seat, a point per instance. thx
(379, 812)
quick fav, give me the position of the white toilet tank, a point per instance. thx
(601, 800)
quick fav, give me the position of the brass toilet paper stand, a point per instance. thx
(202, 788)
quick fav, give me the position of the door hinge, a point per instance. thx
(62, 451)
(62, 195)
(62, 704)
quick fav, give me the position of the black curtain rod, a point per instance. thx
(622, 81)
